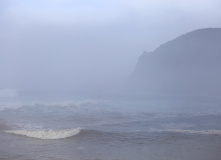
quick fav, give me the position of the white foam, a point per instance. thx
(195, 131)
(15, 105)
(47, 134)
(69, 104)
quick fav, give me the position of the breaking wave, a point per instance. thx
(67, 104)
(195, 131)
(47, 134)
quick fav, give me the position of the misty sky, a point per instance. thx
(69, 43)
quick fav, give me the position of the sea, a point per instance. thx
(113, 127)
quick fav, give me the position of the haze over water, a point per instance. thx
(64, 68)
(154, 127)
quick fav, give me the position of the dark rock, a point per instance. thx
(190, 63)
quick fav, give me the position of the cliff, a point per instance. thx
(190, 63)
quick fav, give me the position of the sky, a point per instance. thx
(89, 43)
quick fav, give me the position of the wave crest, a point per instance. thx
(47, 134)
(67, 104)
(195, 131)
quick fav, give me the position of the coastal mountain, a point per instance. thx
(190, 63)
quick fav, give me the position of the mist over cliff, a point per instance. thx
(187, 64)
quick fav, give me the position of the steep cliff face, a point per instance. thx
(189, 63)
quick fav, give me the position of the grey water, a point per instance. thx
(111, 128)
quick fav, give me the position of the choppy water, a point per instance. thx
(147, 128)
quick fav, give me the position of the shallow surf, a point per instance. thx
(150, 129)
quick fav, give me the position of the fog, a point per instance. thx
(188, 64)
(75, 45)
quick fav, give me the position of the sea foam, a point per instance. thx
(68, 104)
(195, 131)
(47, 134)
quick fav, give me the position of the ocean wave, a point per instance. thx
(47, 134)
(67, 104)
(195, 131)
